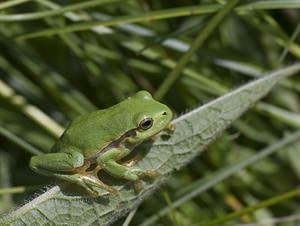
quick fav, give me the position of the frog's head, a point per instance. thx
(150, 116)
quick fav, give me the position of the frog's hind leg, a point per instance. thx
(86, 181)
(56, 162)
(69, 166)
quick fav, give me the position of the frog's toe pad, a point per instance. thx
(152, 173)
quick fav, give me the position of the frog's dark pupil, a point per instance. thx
(146, 123)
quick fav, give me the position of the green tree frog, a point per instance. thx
(100, 139)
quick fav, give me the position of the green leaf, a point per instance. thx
(194, 131)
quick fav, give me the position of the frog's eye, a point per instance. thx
(146, 123)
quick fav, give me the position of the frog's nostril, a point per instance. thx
(164, 113)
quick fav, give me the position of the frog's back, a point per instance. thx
(91, 132)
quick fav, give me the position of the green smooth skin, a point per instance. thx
(98, 140)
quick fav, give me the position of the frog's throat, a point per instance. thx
(116, 144)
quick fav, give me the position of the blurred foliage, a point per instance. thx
(49, 80)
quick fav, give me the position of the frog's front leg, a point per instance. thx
(109, 162)
(69, 166)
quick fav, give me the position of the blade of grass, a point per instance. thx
(6, 201)
(270, 4)
(18, 141)
(290, 118)
(214, 87)
(20, 79)
(18, 190)
(45, 14)
(129, 217)
(291, 40)
(71, 101)
(274, 221)
(135, 28)
(75, 16)
(156, 15)
(7, 4)
(197, 43)
(31, 111)
(253, 71)
(279, 35)
(148, 16)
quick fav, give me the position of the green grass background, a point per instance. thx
(56, 63)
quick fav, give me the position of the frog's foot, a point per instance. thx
(151, 173)
(137, 173)
(92, 181)
(148, 173)
(137, 185)
(170, 128)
